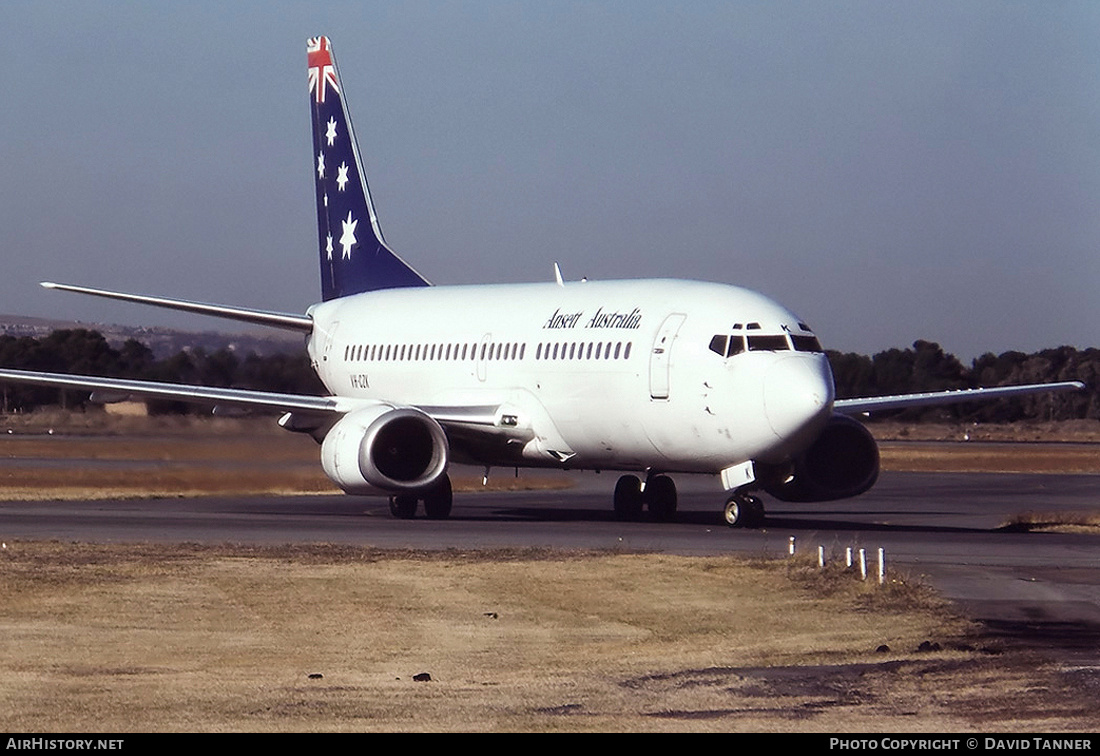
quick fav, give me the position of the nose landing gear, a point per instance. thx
(743, 510)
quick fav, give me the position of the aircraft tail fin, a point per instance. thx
(354, 255)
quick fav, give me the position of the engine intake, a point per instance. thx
(385, 448)
(842, 462)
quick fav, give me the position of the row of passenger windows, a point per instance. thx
(488, 351)
(591, 350)
(727, 346)
(432, 352)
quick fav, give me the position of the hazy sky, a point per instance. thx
(888, 170)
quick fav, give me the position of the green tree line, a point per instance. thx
(926, 367)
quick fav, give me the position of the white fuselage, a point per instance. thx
(627, 375)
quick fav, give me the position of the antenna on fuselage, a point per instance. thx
(557, 275)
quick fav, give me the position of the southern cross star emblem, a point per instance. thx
(347, 239)
(342, 176)
(331, 133)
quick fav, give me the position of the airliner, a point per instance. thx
(648, 378)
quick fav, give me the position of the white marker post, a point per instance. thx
(881, 565)
(863, 563)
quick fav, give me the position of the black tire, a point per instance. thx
(437, 503)
(628, 498)
(743, 511)
(734, 512)
(756, 512)
(403, 506)
(660, 498)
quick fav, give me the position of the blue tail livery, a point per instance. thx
(354, 255)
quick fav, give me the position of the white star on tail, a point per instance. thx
(331, 133)
(347, 239)
(342, 176)
(320, 165)
(328, 247)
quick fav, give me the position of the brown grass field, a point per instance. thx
(140, 637)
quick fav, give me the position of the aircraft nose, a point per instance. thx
(798, 394)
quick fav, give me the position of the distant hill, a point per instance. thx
(164, 342)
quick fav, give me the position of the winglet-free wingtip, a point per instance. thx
(47, 284)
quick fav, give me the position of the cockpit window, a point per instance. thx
(768, 343)
(727, 346)
(805, 343)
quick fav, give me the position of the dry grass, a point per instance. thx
(1063, 431)
(148, 638)
(901, 456)
(1055, 522)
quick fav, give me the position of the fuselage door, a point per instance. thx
(660, 359)
(483, 349)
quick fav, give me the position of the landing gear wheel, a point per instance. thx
(756, 512)
(403, 506)
(744, 511)
(437, 502)
(628, 498)
(660, 497)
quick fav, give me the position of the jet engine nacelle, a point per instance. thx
(842, 462)
(385, 448)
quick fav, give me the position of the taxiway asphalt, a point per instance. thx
(1040, 587)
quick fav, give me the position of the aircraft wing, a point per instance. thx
(871, 403)
(298, 403)
(179, 392)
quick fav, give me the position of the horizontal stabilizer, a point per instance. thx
(899, 401)
(283, 320)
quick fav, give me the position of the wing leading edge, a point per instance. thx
(898, 401)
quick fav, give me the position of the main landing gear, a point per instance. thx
(742, 510)
(659, 497)
(437, 502)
